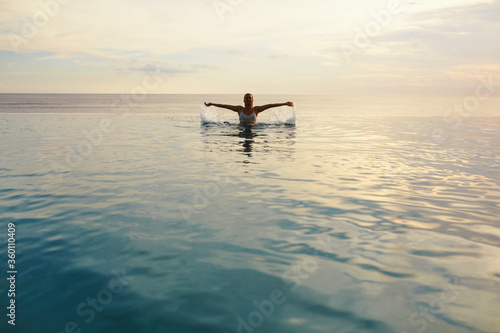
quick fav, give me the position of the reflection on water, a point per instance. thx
(248, 136)
(414, 222)
(334, 225)
(249, 139)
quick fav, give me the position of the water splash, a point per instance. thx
(209, 115)
(282, 115)
(277, 116)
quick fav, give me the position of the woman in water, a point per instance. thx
(248, 113)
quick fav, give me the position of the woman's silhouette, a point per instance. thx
(248, 113)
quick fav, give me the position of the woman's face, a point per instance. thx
(248, 99)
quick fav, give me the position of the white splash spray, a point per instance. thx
(277, 116)
(209, 115)
(282, 115)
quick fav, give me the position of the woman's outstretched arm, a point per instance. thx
(234, 108)
(268, 106)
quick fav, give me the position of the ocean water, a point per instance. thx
(347, 214)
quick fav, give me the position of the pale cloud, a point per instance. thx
(390, 50)
(330, 63)
(474, 71)
(255, 41)
(278, 56)
(4, 87)
(428, 6)
(306, 77)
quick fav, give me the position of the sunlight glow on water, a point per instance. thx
(334, 224)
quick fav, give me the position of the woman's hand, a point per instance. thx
(208, 104)
(289, 103)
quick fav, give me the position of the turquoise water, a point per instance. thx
(145, 219)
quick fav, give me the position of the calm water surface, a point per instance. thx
(147, 220)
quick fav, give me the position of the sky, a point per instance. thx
(235, 46)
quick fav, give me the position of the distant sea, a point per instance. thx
(347, 214)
